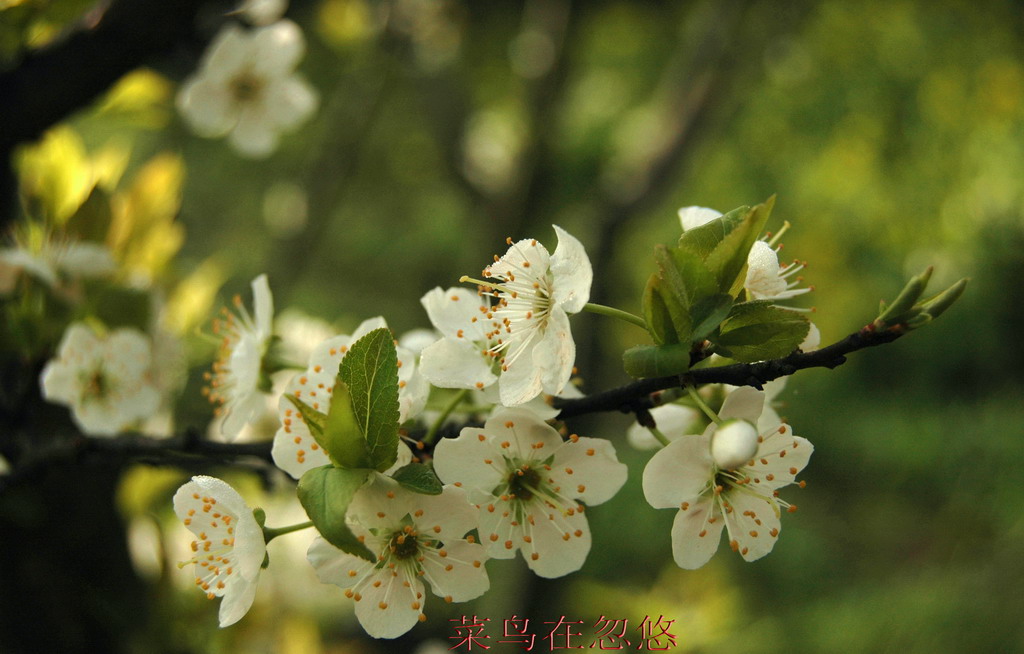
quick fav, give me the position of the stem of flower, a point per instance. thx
(658, 435)
(702, 405)
(270, 533)
(615, 313)
(431, 435)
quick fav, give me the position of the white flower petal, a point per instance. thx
(695, 538)
(446, 516)
(497, 533)
(456, 364)
(690, 217)
(587, 469)
(463, 460)
(520, 383)
(812, 341)
(295, 450)
(207, 106)
(752, 524)
(227, 54)
(780, 458)
(744, 403)
(572, 272)
(280, 48)
(555, 353)
(237, 603)
(559, 542)
(673, 421)
(254, 135)
(368, 326)
(460, 574)
(263, 305)
(386, 610)
(289, 102)
(417, 340)
(679, 472)
(334, 566)
(453, 311)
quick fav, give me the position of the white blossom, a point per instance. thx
(413, 537)
(741, 496)
(236, 377)
(106, 380)
(766, 280)
(529, 324)
(528, 484)
(246, 88)
(229, 549)
(295, 450)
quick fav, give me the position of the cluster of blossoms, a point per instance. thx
(514, 484)
(507, 483)
(246, 87)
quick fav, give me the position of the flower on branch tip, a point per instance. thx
(529, 484)
(766, 280)
(526, 329)
(710, 488)
(295, 450)
(246, 88)
(415, 537)
(105, 379)
(235, 382)
(229, 548)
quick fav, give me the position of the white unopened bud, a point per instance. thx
(733, 444)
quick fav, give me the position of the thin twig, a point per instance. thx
(637, 395)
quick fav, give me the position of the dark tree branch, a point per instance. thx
(187, 451)
(637, 395)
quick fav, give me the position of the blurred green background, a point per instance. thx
(892, 133)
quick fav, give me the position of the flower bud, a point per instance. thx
(733, 444)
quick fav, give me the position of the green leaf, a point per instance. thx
(698, 280)
(756, 331)
(708, 313)
(669, 286)
(659, 322)
(343, 439)
(343, 445)
(325, 494)
(370, 371)
(657, 360)
(314, 419)
(703, 240)
(419, 478)
(729, 257)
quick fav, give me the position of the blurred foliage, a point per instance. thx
(891, 132)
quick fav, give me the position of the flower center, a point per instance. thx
(403, 545)
(97, 385)
(246, 87)
(523, 483)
